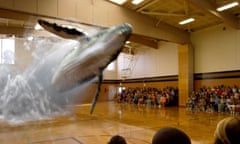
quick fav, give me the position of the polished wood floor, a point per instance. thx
(136, 124)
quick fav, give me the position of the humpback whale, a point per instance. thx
(88, 60)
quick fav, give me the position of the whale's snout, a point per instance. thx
(126, 28)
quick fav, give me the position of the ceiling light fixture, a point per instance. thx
(186, 21)
(227, 6)
(136, 2)
(120, 2)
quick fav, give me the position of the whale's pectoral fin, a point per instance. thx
(100, 79)
(69, 33)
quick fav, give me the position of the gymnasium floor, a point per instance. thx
(136, 124)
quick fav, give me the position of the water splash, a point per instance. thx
(29, 95)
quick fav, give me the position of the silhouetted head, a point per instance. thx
(117, 139)
(227, 131)
(170, 135)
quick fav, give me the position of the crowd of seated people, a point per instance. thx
(216, 99)
(149, 96)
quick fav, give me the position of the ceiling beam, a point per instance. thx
(30, 19)
(23, 16)
(21, 32)
(145, 40)
(208, 6)
(163, 14)
(147, 5)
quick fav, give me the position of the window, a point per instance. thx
(7, 51)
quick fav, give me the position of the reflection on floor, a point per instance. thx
(136, 124)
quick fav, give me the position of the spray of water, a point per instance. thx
(29, 95)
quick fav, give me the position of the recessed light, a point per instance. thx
(227, 6)
(136, 2)
(120, 2)
(186, 21)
